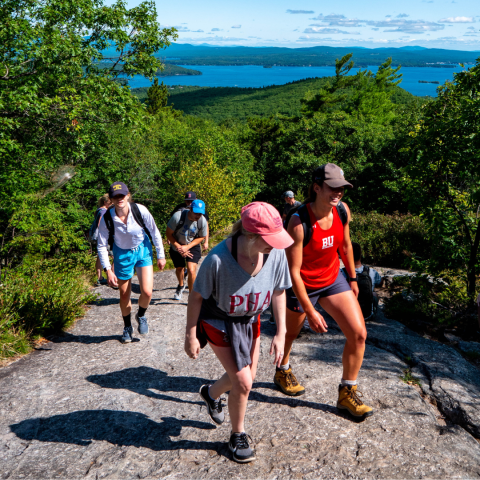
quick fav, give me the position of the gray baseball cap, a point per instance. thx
(288, 194)
(332, 175)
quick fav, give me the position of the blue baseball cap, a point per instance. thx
(198, 206)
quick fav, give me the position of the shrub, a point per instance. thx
(43, 298)
(389, 239)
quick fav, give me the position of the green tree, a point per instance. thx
(157, 97)
(443, 176)
(58, 64)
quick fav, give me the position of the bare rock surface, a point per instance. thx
(86, 406)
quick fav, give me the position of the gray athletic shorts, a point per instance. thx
(340, 285)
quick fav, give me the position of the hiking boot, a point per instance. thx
(178, 292)
(101, 281)
(127, 335)
(214, 406)
(350, 400)
(238, 444)
(142, 324)
(287, 382)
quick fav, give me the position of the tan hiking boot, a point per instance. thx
(349, 399)
(287, 382)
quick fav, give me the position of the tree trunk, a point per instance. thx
(471, 270)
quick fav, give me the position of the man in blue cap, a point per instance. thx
(186, 230)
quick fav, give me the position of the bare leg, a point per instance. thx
(125, 288)
(294, 322)
(98, 268)
(180, 275)
(345, 310)
(192, 274)
(240, 383)
(145, 279)
(223, 384)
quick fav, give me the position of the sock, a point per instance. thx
(127, 320)
(284, 367)
(141, 311)
(211, 398)
(349, 383)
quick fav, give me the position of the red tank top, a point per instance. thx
(320, 264)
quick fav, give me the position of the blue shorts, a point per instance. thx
(126, 261)
(340, 285)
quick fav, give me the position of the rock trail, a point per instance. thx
(85, 406)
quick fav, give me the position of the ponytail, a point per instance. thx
(312, 194)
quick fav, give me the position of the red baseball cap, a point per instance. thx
(263, 219)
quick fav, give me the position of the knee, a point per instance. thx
(147, 292)
(244, 386)
(359, 337)
(124, 297)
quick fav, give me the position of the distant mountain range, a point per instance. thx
(410, 56)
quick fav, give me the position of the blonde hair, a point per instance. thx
(251, 237)
(104, 200)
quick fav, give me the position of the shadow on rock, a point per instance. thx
(143, 380)
(116, 427)
(87, 339)
(294, 401)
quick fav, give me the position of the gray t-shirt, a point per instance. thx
(188, 231)
(238, 297)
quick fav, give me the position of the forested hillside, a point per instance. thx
(185, 54)
(69, 128)
(221, 103)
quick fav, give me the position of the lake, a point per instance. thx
(256, 76)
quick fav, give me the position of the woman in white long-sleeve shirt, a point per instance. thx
(132, 250)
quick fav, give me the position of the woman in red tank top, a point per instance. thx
(316, 277)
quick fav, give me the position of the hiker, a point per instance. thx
(103, 204)
(189, 198)
(320, 231)
(185, 231)
(368, 279)
(290, 203)
(236, 282)
(127, 229)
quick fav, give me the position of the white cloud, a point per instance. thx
(407, 26)
(215, 38)
(457, 20)
(402, 15)
(301, 12)
(336, 20)
(217, 30)
(326, 30)
(236, 26)
(197, 31)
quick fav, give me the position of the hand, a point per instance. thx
(112, 278)
(316, 321)
(278, 345)
(354, 287)
(192, 346)
(161, 262)
(182, 249)
(205, 246)
(186, 254)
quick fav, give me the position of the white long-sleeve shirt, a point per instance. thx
(128, 236)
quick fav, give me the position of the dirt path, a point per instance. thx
(86, 406)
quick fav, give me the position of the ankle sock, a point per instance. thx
(284, 367)
(141, 311)
(211, 398)
(348, 382)
(127, 320)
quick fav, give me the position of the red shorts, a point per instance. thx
(221, 339)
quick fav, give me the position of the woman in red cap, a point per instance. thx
(320, 231)
(237, 281)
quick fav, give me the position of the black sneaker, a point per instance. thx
(238, 444)
(214, 406)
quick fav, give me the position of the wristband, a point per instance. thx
(353, 279)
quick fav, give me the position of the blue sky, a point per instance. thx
(451, 24)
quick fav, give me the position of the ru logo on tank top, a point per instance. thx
(327, 242)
